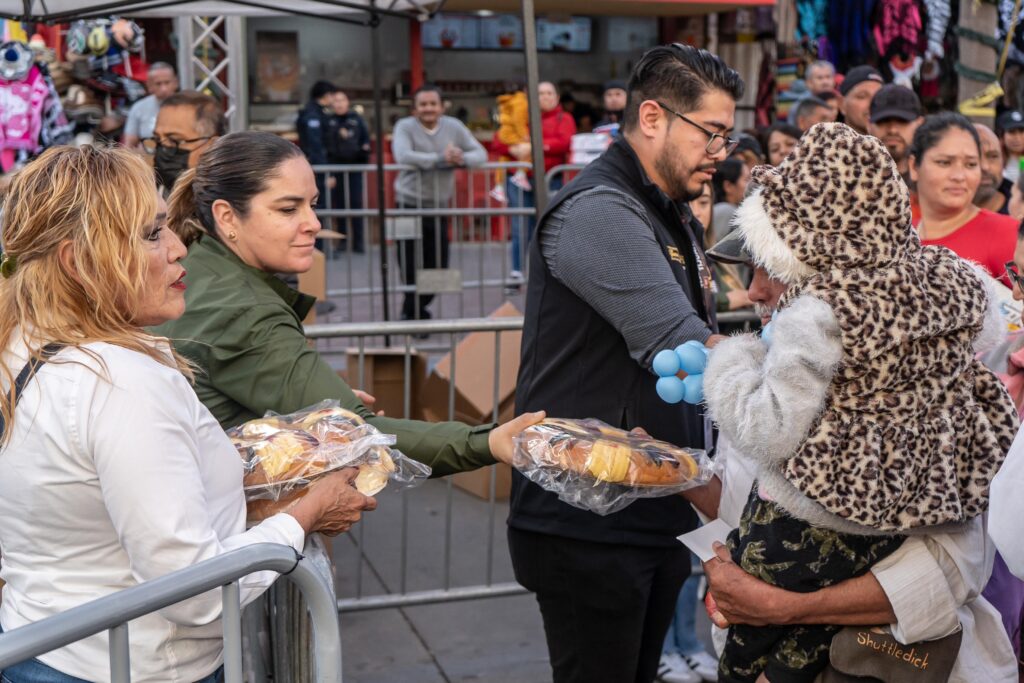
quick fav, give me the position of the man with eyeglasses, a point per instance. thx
(617, 273)
(187, 124)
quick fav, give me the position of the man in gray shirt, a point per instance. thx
(161, 82)
(435, 144)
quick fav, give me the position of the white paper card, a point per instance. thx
(700, 540)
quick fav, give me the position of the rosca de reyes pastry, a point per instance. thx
(608, 454)
(284, 455)
(374, 475)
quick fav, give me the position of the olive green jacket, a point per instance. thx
(242, 329)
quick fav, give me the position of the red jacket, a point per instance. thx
(557, 129)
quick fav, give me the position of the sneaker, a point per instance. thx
(498, 194)
(704, 665)
(520, 180)
(673, 669)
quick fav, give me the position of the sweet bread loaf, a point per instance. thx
(374, 475)
(284, 455)
(608, 454)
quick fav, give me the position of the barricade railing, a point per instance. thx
(113, 612)
(402, 334)
(558, 176)
(486, 215)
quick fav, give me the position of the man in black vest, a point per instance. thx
(617, 273)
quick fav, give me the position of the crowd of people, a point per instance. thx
(860, 445)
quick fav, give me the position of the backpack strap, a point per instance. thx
(27, 373)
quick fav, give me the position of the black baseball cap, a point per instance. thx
(858, 75)
(1009, 120)
(614, 85)
(731, 249)
(895, 102)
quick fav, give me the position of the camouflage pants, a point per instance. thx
(789, 553)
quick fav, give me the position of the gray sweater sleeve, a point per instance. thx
(473, 153)
(600, 244)
(403, 149)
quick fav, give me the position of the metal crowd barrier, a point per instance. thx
(402, 334)
(113, 612)
(484, 215)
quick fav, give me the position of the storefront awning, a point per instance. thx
(629, 8)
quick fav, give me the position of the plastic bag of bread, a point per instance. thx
(284, 453)
(599, 468)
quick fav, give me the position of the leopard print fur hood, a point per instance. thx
(906, 429)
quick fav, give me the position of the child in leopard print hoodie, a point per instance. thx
(867, 414)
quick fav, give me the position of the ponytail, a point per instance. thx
(182, 213)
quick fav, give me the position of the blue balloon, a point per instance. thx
(670, 389)
(692, 359)
(666, 363)
(695, 344)
(693, 389)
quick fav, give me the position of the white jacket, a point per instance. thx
(116, 474)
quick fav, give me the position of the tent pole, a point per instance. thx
(540, 189)
(378, 115)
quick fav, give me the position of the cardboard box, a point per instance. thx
(474, 377)
(474, 394)
(478, 482)
(384, 378)
(314, 283)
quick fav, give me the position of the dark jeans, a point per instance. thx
(34, 671)
(606, 607)
(348, 194)
(790, 553)
(434, 252)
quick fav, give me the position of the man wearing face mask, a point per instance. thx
(187, 124)
(617, 274)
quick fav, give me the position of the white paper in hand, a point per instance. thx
(700, 540)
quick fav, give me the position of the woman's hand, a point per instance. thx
(332, 504)
(739, 598)
(500, 438)
(367, 400)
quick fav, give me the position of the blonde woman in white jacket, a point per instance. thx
(112, 472)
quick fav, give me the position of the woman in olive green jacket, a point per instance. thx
(247, 211)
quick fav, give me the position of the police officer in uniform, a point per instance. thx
(312, 126)
(617, 273)
(348, 142)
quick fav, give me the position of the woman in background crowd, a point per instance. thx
(945, 164)
(780, 139)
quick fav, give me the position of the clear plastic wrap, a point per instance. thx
(596, 467)
(284, 453)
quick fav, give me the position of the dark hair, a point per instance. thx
(321, 88)
(787, 129)
(235, 168)
(730, 171)
(210, 119)
(934, 127)
(678, 76)
(808, 105)
(428, 87)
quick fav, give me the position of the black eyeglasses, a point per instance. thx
(716, 141)
(1014, 275)
(155, 142)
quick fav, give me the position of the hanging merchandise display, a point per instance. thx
(812, 22)
(938, 13)
(31, 115)
(849, 32)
